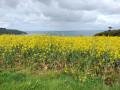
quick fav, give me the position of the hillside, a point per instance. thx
(10, 31)
(109, 33)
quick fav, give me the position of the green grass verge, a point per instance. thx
(22, 80)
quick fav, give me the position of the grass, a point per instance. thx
(22, 80)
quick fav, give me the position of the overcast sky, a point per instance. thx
(60, 14)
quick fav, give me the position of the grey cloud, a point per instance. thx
(9, 3)
(59, 13)
(105, 6)
(47, 2)
(79, 4)
(63, 15)
(71, 16)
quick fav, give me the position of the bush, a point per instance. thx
(109, 33)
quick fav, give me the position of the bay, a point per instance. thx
(66, 33)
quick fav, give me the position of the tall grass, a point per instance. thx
(24, 81)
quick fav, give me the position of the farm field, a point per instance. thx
(53, 62)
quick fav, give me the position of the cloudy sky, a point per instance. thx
(30, 15)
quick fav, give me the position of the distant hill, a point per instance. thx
(10, 31)
(109, 33)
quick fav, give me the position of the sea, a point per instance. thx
(66, 33)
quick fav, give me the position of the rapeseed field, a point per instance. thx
(82, 58)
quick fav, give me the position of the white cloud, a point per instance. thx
(60, 14)
(110, 19)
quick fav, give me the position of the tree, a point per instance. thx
(110, 28)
